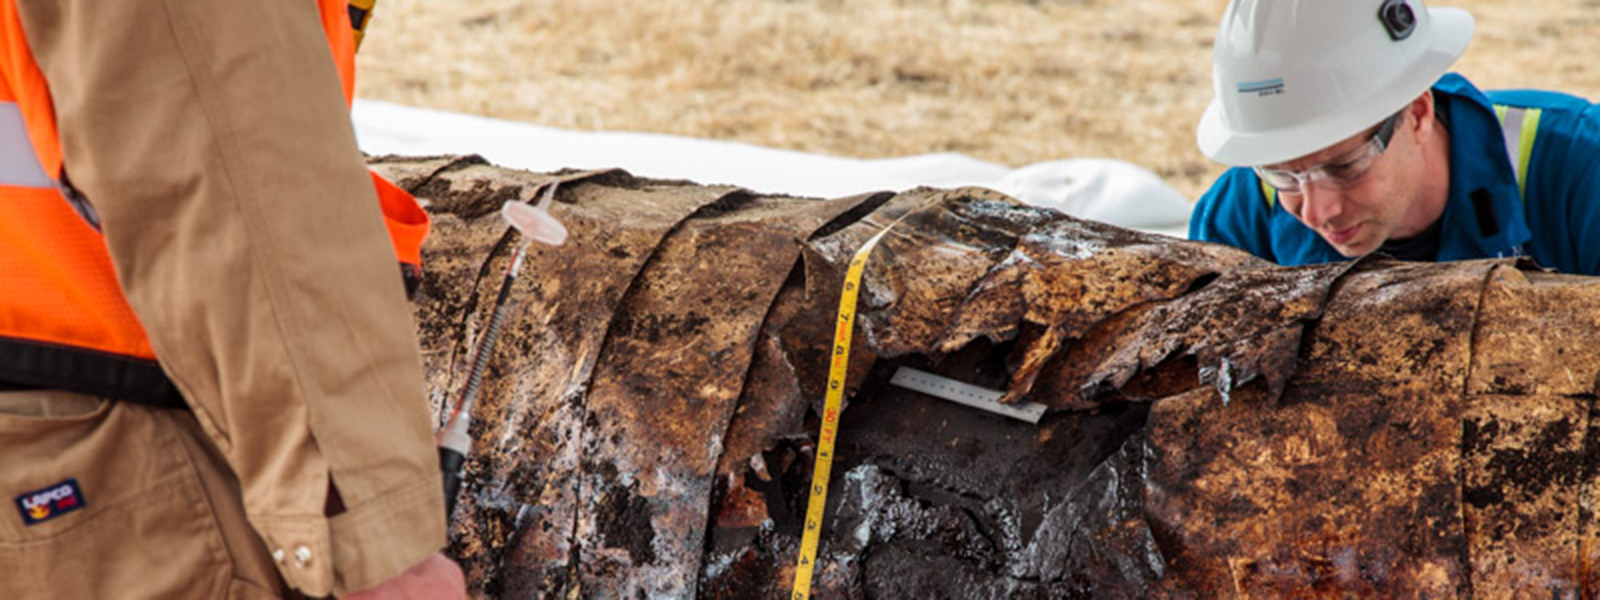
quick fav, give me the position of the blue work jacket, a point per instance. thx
(1552, 214)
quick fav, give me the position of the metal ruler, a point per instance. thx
(966, 394)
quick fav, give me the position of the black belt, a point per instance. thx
(27, 364)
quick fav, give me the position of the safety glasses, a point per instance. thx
(1341, 172)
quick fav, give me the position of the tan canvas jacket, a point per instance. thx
(213, 141)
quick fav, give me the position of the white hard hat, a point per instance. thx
(1293, 77)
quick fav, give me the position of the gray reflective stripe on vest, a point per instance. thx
(19, 166)
(1520, 127)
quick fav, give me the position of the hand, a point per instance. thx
(435, 578)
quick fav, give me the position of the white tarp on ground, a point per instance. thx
(1105, 190)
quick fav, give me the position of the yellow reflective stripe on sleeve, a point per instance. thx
(1267, 191)
(1530, 132)
(1519, 127)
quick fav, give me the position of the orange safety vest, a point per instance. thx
(64, 323)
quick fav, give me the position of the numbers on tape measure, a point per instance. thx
(837, 371)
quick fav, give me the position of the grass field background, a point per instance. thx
(1010, 81)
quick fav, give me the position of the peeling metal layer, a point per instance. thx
(1221, 428)
(528, 423)
(683, 339)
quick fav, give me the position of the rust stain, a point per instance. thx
(1220, 427)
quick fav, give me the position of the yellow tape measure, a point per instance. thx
(837, 371)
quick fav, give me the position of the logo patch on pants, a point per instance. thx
(42, 505)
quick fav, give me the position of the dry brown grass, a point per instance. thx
(1011, 81)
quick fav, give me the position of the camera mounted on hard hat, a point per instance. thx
(1398, 18)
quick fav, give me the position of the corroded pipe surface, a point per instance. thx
(1219, 427)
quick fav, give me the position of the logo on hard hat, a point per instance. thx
(1398, 18)
(42, 505)
(1265, 87)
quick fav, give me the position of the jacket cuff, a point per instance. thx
(362, 547)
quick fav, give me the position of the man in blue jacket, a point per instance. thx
(1348, 137)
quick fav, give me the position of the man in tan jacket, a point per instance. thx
(209, 382)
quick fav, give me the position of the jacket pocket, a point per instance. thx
(105, 505)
